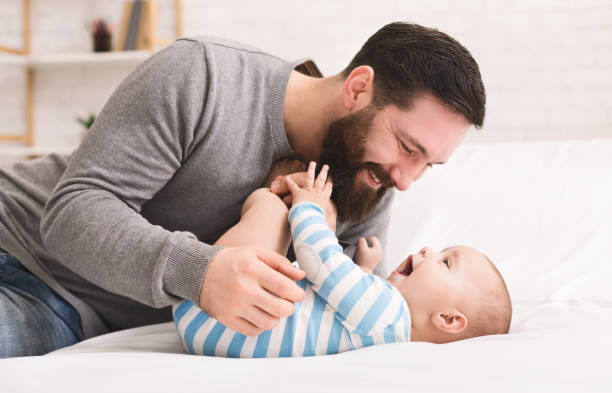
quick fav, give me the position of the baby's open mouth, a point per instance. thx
(407, 269)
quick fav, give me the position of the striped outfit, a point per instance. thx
(344, 308)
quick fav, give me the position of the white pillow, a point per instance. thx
(541, 211)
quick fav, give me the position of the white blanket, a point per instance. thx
(542, 211)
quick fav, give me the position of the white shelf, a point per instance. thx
(9, 150)
(7, 59)
(76, 58)
(88, 58)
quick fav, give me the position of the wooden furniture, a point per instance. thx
(28, 137)
(32, 62)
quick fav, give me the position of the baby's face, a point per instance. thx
(431, 281)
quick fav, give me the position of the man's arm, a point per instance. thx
(92, 222)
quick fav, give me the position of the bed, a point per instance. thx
(542, 211)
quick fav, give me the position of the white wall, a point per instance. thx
(546, 64)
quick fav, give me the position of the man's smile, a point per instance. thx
(373, 180)
(373, 176)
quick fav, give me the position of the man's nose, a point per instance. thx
(403, 176)
(400, 179)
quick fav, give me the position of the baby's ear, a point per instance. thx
(451, 321)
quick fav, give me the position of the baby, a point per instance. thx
(432, 296)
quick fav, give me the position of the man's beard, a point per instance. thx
(343, 150)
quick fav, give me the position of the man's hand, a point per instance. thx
(367, 257)
(240, 287)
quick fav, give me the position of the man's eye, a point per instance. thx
(406, 148)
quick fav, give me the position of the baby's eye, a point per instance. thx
(445, 260)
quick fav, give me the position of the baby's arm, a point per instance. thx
(263, 223)
(365, 303)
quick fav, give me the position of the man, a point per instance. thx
(108, 238)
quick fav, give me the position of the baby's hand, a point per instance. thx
(316, 191)
(367, 257)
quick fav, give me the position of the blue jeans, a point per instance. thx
(34, 320)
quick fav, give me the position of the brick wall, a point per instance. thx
(546, 64)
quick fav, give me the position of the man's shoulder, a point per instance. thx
(219, 43)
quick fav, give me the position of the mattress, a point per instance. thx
(541, 211)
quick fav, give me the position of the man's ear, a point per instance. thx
(358, 88)
(452, 321)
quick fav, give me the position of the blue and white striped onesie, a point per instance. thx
(344, 308)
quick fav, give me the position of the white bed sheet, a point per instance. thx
(542, 211)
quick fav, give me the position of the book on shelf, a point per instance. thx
(130, 39)
(125, 20)
(145, 38)
(138, 25)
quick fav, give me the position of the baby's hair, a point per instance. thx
(493, 312)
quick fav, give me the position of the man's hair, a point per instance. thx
(410, 60)
(493, 311)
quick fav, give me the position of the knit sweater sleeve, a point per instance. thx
(141, 138)
(364, 303)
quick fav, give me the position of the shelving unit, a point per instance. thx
(24, 144)
(33, 151)
(76, 58)
(7, 59)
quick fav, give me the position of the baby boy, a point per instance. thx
(432, 296)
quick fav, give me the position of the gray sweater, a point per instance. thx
(123, 228)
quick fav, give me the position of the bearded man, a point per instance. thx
(113, 235)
